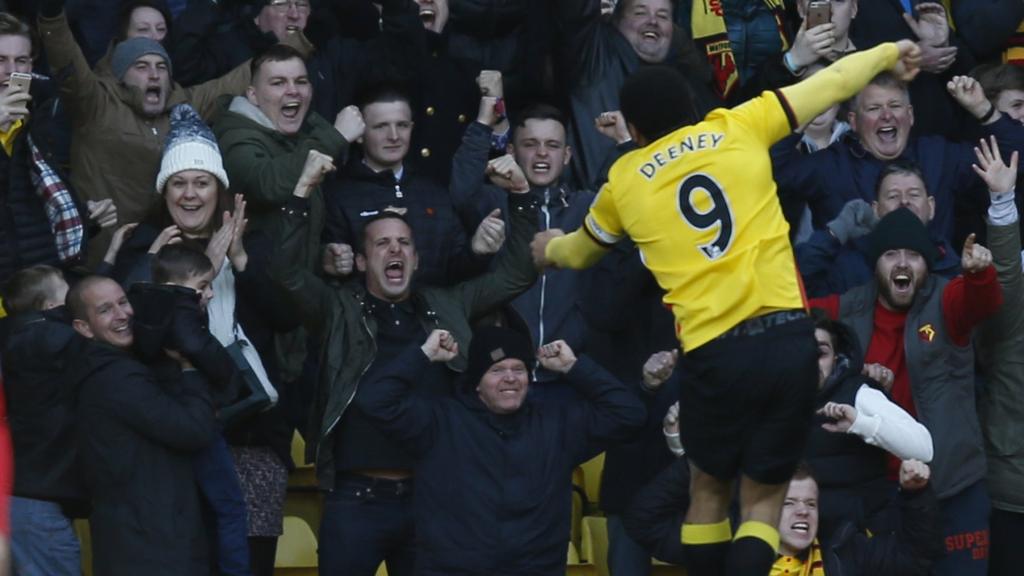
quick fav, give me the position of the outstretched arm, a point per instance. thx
(847, 76)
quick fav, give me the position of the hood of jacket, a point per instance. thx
(849, 360)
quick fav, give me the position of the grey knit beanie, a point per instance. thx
(127, 52)
(190, 146)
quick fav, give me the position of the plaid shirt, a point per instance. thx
(61, 210)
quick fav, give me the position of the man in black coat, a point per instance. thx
(493, 469)
(138, 432)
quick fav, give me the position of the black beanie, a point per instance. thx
(657, 100)
(901, 229)
(492, 344)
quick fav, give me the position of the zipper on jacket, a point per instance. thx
(373, 356)
(544, 276)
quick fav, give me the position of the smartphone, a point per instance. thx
(19, 82)
(818, 12)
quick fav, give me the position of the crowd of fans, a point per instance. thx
(224, 221)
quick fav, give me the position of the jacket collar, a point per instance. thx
(240, 105)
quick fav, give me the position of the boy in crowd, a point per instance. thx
(170, 313)
(41, 413)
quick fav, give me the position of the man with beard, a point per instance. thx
(833, 260)
(919, 325)
(120, 126)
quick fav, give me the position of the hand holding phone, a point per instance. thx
(19, 82)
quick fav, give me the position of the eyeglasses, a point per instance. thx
(282, 6)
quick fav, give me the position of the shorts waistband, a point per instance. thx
(760, 324)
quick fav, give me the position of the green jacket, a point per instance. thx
(1001, 351)
(264, 165)
(336, 315)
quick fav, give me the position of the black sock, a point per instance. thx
(753, 551)
(707, 546)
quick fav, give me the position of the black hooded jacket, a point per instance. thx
(38, 355)
(851, 474)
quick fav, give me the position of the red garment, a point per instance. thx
(966, 301)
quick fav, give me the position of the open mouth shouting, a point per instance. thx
(801, 528)
(152, 94)
(428, 15)
(902, 282)
(291, 110)
(394, 271)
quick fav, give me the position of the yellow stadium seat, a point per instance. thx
(594, 547)
(304, 475)
(592, 481)
(296, 549)
(573, 565)
(85, 544)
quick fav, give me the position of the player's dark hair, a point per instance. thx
(75, 300)
(657, 100)
(899, 167)
(29, 288)
(997, 78)
(176, 263)
(275, 53)
(124, 16)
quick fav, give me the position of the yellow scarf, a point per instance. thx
(707, 24)
(793, 566)
(7, 138)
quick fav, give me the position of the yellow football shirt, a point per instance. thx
(701, 205)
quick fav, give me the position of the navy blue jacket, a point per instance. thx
(551, 307)
(830, 178)
(830, 268)
(442, 243)
(493, 492)
(38, 358)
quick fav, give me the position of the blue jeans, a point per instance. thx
(43, 541)
(367, 521)
(218, 483)
(625, 557)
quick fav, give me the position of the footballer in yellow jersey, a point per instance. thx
(699, 201)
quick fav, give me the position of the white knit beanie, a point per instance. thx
(190, 146)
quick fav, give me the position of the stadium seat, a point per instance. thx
(85, 544)
(594, 547)
(296, 549)
(304, 475)
(592, 481)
